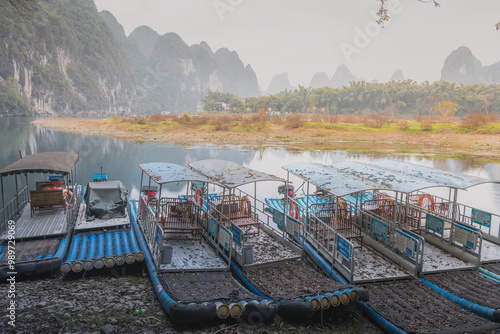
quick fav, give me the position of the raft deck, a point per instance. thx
(204, 286)
(291, 280)
(416, 308)
(267, 249)
(371, 266)
(32, 250)
(192, 255)
(490, 252)
(43, 223)
(438, 260)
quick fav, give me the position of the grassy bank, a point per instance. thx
(350, 133)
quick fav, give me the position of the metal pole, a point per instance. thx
(359, 197)
(17, 194)
(140, 185)
(307, 218)
(454, 212)
(255, 197)
(3, 201)
(230, 197)
(285, 200)
(158, 200)
(407, 209)
(3, 196)
(396, 206)
(336, 213)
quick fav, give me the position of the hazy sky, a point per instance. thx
(305, 37)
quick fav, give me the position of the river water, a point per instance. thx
(120, 160)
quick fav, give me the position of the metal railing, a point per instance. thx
(336, 249)
(13, 208)
(74, 204)
(402, 242)
(152, 230)
(485, 221)
(219, 237)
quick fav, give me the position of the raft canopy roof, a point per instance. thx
(393, 179)
(46, 162)
(350, 177)
(332, 179)
(231, 175)
(165, 172)
(449, 179)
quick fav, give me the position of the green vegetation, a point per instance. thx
(12, 102)
(70, 56)
(406, 99)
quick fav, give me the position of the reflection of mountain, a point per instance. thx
(118, 158)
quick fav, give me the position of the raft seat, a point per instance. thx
(238, 212)
(179, 217)
(47, 199)
(345, 224)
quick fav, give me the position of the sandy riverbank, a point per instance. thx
(312, 137)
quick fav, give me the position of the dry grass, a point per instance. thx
(294, 121)
(403, 125)
(478, 119)
(376, 121)
(293, 131)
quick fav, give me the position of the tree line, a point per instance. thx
(402, 98)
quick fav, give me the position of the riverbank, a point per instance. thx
(108, 304)
(448, 139)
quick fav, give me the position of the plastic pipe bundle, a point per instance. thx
(119, 258)
(129, 257)
(222, 310)
(110, 260)
(139, 255)
(353, 294)
(235, 310)
(89, 262)
(334, 299)
(77, 265)
(324, 301)
(66, 266)
(316, 304)
(99, 262)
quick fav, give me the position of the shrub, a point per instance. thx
(376, 121)
(426, 125)
(294, 121)
(260, 117)
(156, 118)
(403, 125)
(477, 120)
(220, 123)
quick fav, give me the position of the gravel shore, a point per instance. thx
(110, 303)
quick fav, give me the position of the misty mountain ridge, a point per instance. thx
(279, 83)
(461, 66)
(175, 77)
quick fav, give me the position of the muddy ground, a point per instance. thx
(109, 303)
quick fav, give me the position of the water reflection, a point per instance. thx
(119, 159)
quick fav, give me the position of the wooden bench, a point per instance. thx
(345, 225)
(47, 199)
(48, 185)
(179, 217)
(238, 211)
